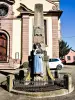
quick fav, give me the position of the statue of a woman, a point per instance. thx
(38, 63)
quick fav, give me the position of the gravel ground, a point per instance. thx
(5, 95)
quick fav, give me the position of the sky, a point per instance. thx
(68, 22)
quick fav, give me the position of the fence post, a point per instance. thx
(68, 82)
(56, 74)
(10, 82)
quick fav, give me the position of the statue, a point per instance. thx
(38, 62)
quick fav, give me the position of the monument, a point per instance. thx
(39, 82)
(40, 57)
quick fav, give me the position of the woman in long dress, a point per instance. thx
(38, 63)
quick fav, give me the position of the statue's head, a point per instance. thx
(37, 46)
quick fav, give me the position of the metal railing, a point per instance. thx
(36, 86)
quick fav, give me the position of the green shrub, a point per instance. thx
(25, 64)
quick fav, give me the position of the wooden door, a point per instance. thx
(3, 47)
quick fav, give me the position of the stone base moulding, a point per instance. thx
(55, 93)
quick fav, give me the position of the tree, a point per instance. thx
(63, 48)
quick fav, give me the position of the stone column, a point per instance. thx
(25, 38)
(39, 36)
(10, 82)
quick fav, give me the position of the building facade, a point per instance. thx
(17, 29)
(70, 57)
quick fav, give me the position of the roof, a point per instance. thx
(48, 6)
(72, 50)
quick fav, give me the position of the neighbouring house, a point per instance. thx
(70, 57)
(16, 30)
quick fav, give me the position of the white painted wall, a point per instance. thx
(16, 39)
(30, 33)
(49, 36)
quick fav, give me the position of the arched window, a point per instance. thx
(3, 47)
(3, 9)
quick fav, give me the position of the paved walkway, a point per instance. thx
(4, 95)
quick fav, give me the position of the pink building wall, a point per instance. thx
(71, 54)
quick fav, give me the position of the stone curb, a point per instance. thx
(43, 94)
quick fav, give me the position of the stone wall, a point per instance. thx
(55, 42)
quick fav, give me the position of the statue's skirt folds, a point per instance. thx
(38, 64)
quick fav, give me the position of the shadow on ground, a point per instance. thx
(4, 73)
(69, 64)
(3, 80)
(4, 85)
